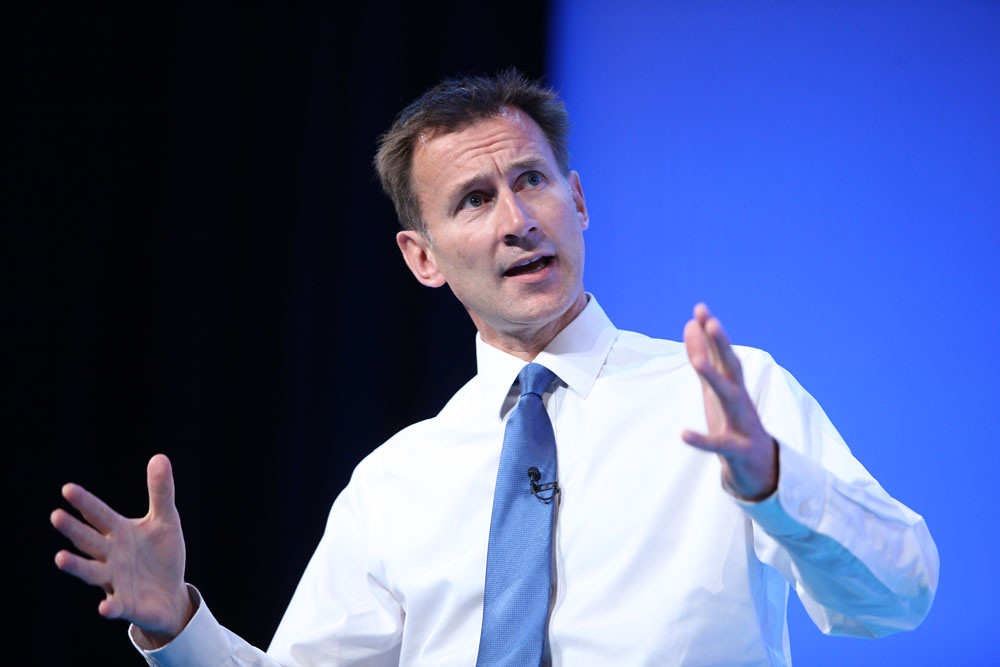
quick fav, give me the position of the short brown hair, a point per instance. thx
(453, 105)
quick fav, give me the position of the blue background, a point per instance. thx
(826, 178)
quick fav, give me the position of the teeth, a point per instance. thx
(540, 260)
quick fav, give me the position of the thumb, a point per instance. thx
(160, 480)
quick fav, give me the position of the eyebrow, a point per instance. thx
(524, 164)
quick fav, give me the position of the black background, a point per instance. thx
(203, 265)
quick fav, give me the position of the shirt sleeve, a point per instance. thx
(202, 643)
(862, 563)
(340, 613)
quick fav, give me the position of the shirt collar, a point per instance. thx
(576, 355)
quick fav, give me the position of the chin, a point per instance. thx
(542, 311)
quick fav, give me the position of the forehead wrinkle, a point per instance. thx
(503, 153)
(510, 144)
(485, 158)
(501, 167)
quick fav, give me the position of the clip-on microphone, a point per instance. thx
(538, 489)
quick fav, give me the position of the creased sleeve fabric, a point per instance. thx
(862, 563)
(202, 643)
(341, 613)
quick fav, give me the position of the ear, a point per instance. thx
(419, 256)
(578, 200)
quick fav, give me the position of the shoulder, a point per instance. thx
(637, 354)
(632, 351)
(755, 362)
(419, 444)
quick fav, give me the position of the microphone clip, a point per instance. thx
(545, 492)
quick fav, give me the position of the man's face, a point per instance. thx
(504, 226)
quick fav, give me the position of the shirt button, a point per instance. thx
(805, 509)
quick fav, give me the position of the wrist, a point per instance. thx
(184, 608)
(757, 479)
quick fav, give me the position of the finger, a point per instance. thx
(93, 509)
(728, 392)
(160, 481)
(731, 363)
(701, 313)
(110, 607)
(695, 342)
(83, 537)
(90, 571)
(698, 344)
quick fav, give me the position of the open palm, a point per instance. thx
(139, 563)
(749, 455)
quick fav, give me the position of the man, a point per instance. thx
(695, 482)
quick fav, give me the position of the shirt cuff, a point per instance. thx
(201, 642)
(797, 504)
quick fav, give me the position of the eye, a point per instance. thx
(532, 179)
(474, 200)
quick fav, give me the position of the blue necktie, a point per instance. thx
(519, 560)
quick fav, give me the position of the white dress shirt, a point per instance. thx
(655, 564)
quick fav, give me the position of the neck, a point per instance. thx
(526, 341)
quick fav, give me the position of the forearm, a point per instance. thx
(862, 563)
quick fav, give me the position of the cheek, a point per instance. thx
(462, 261)
(573, 239)
(463, 256)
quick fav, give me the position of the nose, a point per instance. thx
(515, 220)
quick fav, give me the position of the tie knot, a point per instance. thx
(535, 379)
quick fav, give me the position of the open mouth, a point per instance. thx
(531, 266)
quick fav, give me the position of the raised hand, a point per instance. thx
(749, 455)
(138, 562)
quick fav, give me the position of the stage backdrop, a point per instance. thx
(826, 178)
